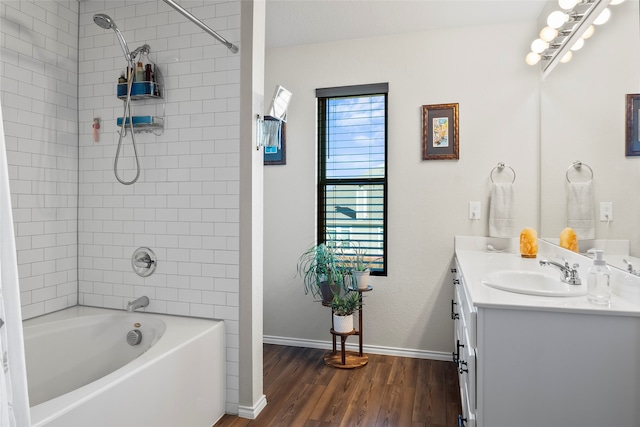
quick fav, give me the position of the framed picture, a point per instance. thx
(440, 132)
(633, 122)
(275, 155)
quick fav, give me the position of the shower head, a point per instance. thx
(105, 21)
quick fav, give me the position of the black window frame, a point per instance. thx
(322, 95)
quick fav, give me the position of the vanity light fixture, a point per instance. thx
(547, 34)
(566, 31)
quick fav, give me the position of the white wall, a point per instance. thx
(252, 399)
(583, 118)
(38, 91)
(480, 68)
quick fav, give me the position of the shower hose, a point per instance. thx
(123, 131)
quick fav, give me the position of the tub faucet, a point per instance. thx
(137, 303)
(569, 273)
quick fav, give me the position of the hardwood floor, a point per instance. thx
(389, 391)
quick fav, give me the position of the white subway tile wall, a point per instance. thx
(75, 239)
(38, 92)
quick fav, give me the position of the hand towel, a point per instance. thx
(501, 218)
(580, 210)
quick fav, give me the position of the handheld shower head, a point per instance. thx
(105, 21)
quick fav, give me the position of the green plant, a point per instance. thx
(346, 303)
(320, 264)
(360, 260)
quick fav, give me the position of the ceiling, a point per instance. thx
(296, 22)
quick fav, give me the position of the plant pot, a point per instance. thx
(343, 324)
(361, 278)
(327, 291)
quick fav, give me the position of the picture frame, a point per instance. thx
(275, 155)
(632, 132)
(440, 139)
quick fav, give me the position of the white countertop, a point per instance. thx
(476, 262)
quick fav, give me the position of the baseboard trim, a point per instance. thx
(373, 349)
(251, 412)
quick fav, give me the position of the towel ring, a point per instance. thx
(500, 168)
(577, 165)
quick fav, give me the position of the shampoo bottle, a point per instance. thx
(139, 72)
(599, 280)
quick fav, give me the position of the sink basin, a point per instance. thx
(533, 283)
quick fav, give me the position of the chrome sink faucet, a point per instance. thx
(569, 273)
(137, 303)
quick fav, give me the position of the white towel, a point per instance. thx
(501, 220)
(580, 210)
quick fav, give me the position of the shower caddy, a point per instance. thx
(144, 90)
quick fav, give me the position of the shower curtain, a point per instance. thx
(14, 399)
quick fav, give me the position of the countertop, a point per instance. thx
(476, 261)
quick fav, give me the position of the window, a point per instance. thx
(352, 170)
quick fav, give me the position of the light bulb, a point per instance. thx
(567, 4)
(589, 32)
(603, 17)
(556, 19)
(547, 34)
(539, 46)
(615, 2)
(578, 45)
(532, 58)
(567, 57)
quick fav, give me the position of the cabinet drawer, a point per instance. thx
(467, 312)
(467, 418)
(465, 358)
(467, 369)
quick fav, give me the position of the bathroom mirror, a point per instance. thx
(582, 118)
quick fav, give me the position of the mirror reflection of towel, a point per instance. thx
(580, 210)
(501, 218)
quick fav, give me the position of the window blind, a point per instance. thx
(352, 181)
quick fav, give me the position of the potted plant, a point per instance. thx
(322, 271)
(343, 306)
(361, 266)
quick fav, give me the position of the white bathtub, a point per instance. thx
(82, 372)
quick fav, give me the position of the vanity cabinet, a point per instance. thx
(539, 366)
(464, 355)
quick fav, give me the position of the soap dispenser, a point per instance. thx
(599, 280)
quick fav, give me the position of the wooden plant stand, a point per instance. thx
(348, 359)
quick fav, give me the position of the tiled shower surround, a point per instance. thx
(76, 226)
(39, 88)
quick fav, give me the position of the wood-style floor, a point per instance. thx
(389, 391)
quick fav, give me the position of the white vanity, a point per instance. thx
(543, 361)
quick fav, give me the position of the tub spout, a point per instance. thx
(137, 303)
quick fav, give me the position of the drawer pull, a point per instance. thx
(454, 315)
(456, 354)
(456, 281)
(462, 363)
(454, 270)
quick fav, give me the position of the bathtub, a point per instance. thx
(82, 371)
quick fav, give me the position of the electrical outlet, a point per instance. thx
(606, 211)
(474, 210)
